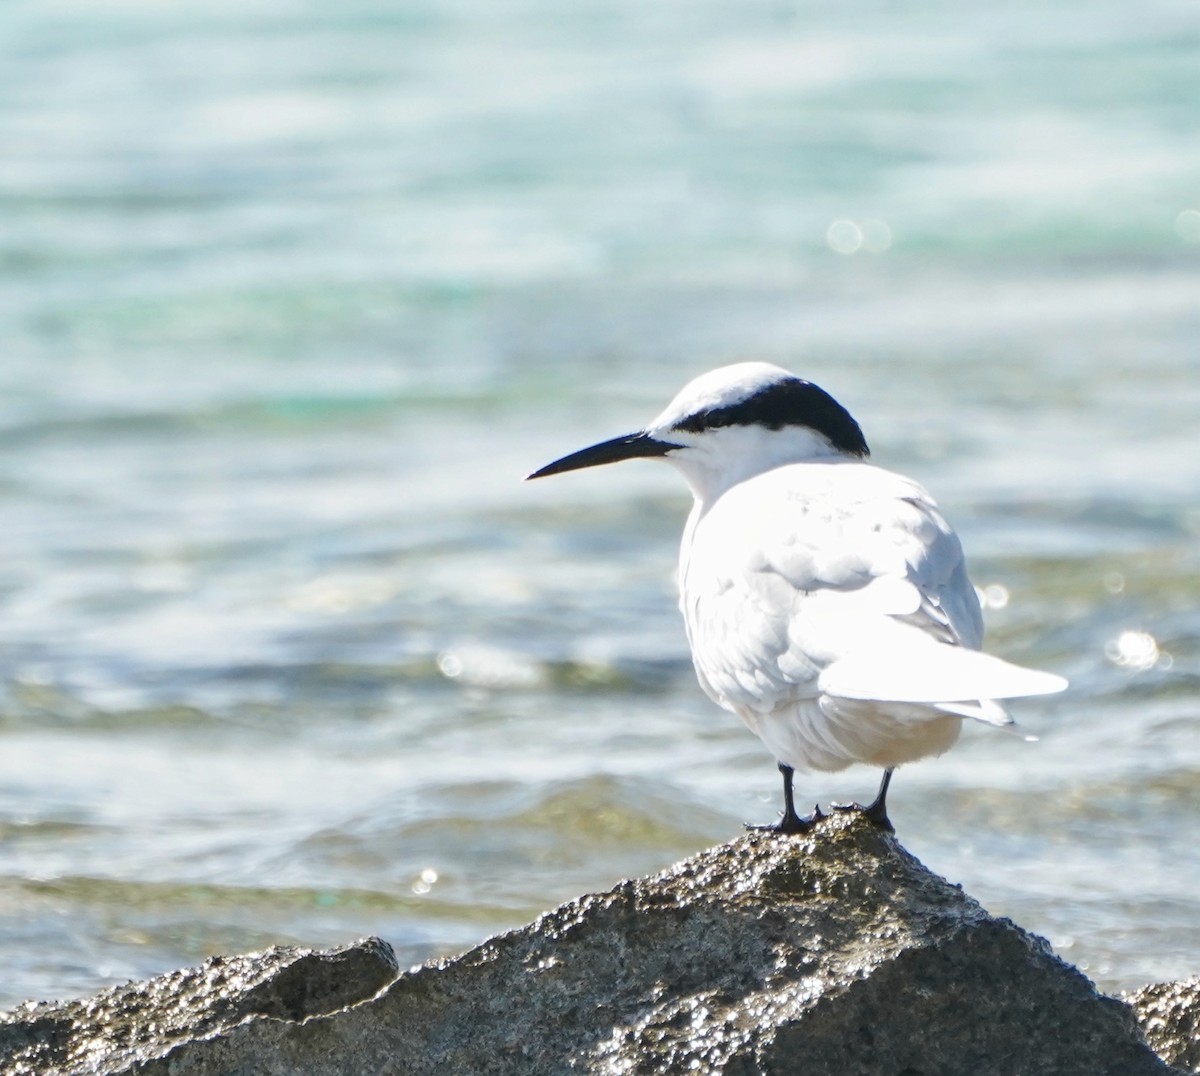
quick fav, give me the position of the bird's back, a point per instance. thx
(807, 565)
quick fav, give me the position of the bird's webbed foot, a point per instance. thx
(791, 823)
(873, 811)
(876, 810)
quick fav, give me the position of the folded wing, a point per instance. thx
(841, 580)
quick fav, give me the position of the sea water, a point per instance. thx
(291, 297)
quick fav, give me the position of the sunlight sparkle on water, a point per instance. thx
(425, 881)
(993, 596)
(1133, 650)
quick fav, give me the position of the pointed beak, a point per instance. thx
(632, 446)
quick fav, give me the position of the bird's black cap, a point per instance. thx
(790, 401)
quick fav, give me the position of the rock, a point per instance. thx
(833, 953)
(107, 1033)
(1169, 1014)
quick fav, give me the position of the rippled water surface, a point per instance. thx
(291, 295)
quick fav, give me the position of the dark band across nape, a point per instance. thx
(793, 402)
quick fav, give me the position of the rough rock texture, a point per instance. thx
(1170, 1017)
(106, 1033)
(835, 953)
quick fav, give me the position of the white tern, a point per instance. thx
(826, 600)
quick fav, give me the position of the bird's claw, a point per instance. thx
(875, 812)
(791, 823)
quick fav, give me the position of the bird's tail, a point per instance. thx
(948, 678)
(988, 711)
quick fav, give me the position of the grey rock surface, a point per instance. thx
(833, 953)
(112, 1030)
(1169, 1014)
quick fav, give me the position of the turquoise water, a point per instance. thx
(292, 296)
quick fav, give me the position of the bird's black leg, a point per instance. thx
(791, 822)
(876, 810)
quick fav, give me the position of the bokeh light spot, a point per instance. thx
(844, 237)
(1137, 650)
(1187, 225)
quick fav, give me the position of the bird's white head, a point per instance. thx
(733, 423)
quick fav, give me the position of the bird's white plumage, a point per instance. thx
(817, 586)
(826, 600)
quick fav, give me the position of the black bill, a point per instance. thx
(632, 446)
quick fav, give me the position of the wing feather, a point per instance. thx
(795, 581)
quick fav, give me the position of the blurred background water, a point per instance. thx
(293, 294)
